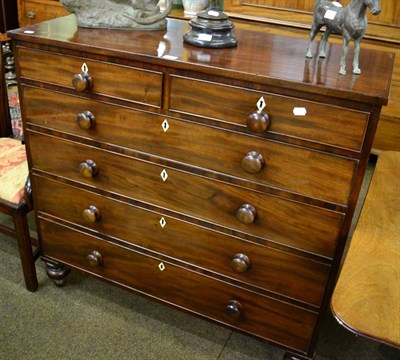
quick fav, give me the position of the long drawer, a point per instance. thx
(287, 222)
(316, 122)
(250, 312)
(264, 267)
(286, 167)
(122, 82)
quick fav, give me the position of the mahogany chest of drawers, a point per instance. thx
(222, 182)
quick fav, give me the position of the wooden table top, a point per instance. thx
(366, 299)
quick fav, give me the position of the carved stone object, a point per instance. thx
(119, 14)
(350, 21)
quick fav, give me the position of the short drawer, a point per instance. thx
(35, 11)
(322, 123)
(291, 223)
(121, 82)
(253, 313)
(273, 270)
(290, 168)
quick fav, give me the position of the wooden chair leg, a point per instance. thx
(25, 250)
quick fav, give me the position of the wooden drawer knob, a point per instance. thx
(258, 121)
(240, 263)
(82, 82)
(246, 214)
(234, 310)
(253, 162)
(85, 120)
(91, 214)
(94, 258)
(88, 168)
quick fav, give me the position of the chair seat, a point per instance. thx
(13, 170)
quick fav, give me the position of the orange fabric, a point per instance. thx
(13, 170)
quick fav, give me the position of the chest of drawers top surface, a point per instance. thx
(264, 58)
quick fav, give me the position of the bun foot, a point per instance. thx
(57, 272)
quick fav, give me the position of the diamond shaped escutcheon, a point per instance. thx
(163, 222)
(164, 175)
(261, 104)
(165, 125)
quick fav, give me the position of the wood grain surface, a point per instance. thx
(367, 296)
(189, 290)
(285, 252)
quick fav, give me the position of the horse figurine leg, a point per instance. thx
(314, 31)
(322, 44)
(313, 34)
(345, 48)
(356, 69)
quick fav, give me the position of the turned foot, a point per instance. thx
(57, 272)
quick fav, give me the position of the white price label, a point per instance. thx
(204, 57)
(299, 111)
(170, 57)
(337, 4)
(213, 13)
(330, 14)
(205, 37)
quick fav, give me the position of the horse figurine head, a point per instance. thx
(350, 21)
(374, 5)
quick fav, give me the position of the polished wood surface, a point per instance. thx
(148, 174)
(268, 268)
(34, 11)
(289, 71)
(316, 126)
(299, 14)
(366, 299)
(117, 81)
(297, 225)
(383, 33)
(314, 177)
(262, 315)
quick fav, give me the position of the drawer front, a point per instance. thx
(35, 11)
(264, 267)
(268, 318)
(286, 167)
(322, 123)
(294, 224)
(121, 82)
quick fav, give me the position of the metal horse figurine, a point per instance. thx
(350, 21)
